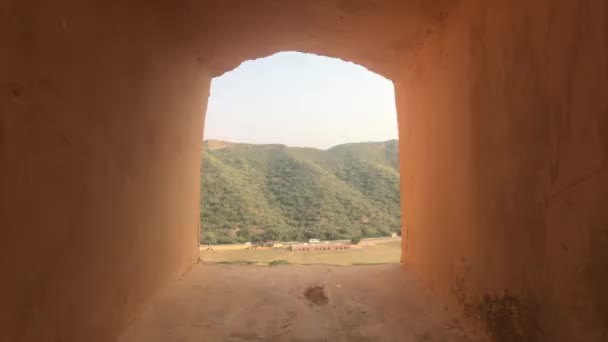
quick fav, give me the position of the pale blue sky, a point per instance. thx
(301, 99)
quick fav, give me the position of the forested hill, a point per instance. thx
(274, 192)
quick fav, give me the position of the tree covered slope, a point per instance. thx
(275, 192)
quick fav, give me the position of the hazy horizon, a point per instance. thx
(325, 148)
(301, 100)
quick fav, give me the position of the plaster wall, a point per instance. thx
(503, 116)
(100, 127)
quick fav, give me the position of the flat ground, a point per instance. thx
(220, 302)
(378, 253)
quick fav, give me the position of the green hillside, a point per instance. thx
(273, 192)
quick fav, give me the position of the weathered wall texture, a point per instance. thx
(100, 131)
(503, 124)
(99, 154)
(503, 116)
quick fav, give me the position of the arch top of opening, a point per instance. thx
(310, 54)
(375, 34)
(365, 61)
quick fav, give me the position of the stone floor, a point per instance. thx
(295, 303)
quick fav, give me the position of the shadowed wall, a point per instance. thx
(503, 116)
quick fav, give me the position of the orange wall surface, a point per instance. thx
(100, 139)
(503, 125)
(504, 143)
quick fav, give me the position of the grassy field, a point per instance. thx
(379, 253)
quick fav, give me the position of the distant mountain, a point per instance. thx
(275, 192)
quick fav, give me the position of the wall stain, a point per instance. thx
(16, 91)
(603, 131)
(505, 317)
(596, 270)
(576, 182)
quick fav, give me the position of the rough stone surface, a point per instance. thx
(503, 117)
(504, 168)
(296, 303)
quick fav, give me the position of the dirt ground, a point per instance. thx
(295, 303)
(380, 253)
